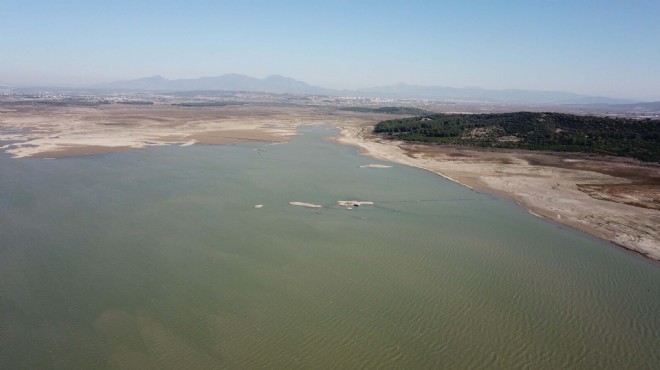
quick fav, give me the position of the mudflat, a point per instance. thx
(55, 131)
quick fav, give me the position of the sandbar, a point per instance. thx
(306, 205)
(375, 166)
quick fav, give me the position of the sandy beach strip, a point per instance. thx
(544, 183)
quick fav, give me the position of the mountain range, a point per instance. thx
(227, 82)
(281, 84)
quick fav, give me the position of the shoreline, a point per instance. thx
(529, 186)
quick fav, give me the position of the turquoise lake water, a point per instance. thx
(157, 258)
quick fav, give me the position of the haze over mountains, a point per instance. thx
(227, 82)
(281, 84)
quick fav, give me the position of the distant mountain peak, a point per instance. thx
(154, 78)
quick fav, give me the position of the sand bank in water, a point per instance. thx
(307, 205)
(375, 166)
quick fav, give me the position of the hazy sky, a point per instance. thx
(597, 47)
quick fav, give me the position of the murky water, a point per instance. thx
(158, 259)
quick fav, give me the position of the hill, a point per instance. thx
(535, 131)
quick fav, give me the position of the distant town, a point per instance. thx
(9, 96)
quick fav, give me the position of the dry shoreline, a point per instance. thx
(546, 184)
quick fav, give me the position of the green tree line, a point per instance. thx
(534, 131)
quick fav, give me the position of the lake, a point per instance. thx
(157, 258)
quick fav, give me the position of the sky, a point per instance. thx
(598, 47)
